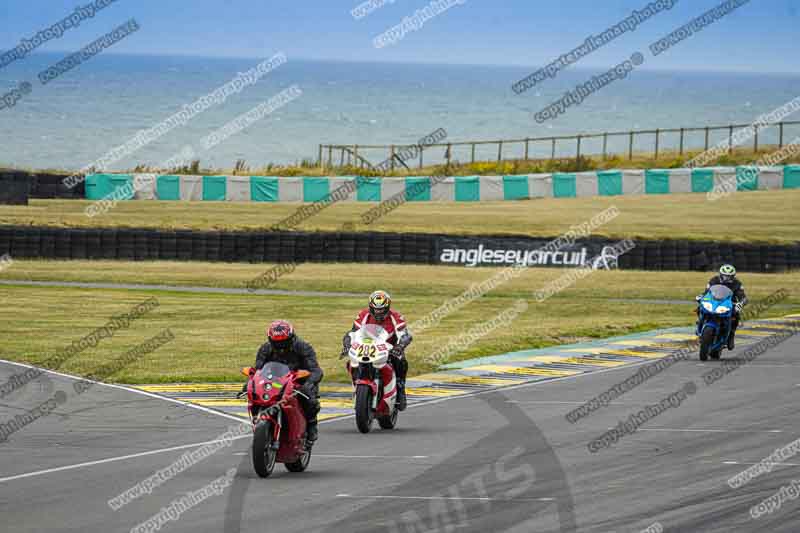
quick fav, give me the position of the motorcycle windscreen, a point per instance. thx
(374, 331)
(274, 370)
(720, 292)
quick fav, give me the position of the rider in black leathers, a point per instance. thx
(285, 347)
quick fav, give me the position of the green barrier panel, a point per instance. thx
(609, 182)
(315, 189)
(746, 178)
(418, 189)
(123, 182)
(168, 187)
(564, 185)
(368, 189)
(702, 180)
(214, 188)
(656, 181)
(468, 189)
(791, 177)
(98, 186)
(515, 188)
(263, 189)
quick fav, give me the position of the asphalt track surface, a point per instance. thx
(505, 460)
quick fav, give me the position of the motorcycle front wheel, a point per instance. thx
(706, 340)
(364, 413)
(263, 454)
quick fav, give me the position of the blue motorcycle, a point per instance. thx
(715, 320)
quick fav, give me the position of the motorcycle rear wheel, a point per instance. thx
(706, 339)
(389, 421)
(301, 464)
(263, 454)
(364, 414)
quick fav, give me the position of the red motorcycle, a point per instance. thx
(279, 424)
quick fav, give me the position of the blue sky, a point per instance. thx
(761, 36)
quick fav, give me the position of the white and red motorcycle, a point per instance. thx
(374, 383)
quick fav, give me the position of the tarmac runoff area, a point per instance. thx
(484, 445)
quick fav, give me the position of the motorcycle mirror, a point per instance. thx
(248, 371)
(301, 374)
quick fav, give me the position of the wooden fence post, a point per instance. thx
(730, 139)
(605, 145)
(578, 150)
(391, 156)
(630, 147)
(320, 163)
(755, 138)
(526, 148)
(706, 145)
(553, 149)
(473, 152)
(780, 135)
(657, 132)
(499, 151)
(681, 150)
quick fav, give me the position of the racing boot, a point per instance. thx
(734, 326)
(401, 396)
(311, 431)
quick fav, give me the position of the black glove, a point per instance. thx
(397, 351)
(344, 353)
(308, 389)
(241, 394)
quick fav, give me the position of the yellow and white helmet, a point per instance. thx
(379, 304)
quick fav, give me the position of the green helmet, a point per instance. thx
(727, 273)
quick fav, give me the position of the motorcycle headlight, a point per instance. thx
(722, 309)
(707, 306)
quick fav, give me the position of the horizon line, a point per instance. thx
(425, 63)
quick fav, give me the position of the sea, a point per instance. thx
(83, 114)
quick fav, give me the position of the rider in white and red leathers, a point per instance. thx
(379, 312)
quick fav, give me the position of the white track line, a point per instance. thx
(744, 463)
(329, 456)
(136, 391)
(483, 499)
(239, 419)
(557, 402)
(712, 430)
(114, 459)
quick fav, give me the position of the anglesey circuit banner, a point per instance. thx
(502, 251)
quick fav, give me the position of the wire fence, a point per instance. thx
(644, 143)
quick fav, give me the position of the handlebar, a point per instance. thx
(242, 394)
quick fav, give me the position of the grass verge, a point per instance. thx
(216, 334)
(763, 216)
